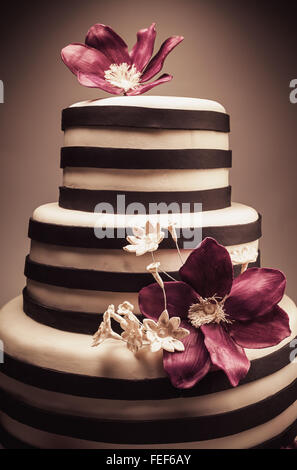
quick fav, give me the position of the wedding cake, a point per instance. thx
(145, 217)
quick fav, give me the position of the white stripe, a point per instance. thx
(78, 300)
(236, 214)
(118, 261)
(141, 138)
(145, 180)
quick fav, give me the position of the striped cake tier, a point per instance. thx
(72, 276)
(58, 392)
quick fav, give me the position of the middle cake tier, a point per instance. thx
(77, 265)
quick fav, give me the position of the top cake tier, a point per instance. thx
(150, 149)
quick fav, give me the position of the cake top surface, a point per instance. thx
(161, 102)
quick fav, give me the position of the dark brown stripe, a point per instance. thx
(284, 439)
(66, 320)
(90, 279)
(86, 200)
(154, 118)
(163, 431)
(122, 158)
(84, 237)
(9, 442)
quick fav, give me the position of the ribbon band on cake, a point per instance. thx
(129, 158)
(141, 117)
(87, 199)
(83, 237)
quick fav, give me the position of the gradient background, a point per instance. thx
(242, 54)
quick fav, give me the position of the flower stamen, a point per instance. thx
(123, 76)
(210, 310)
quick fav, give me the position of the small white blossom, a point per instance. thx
(172, 230)
(145, 240)
(243, 254)
(105, 330)
(165, 334)
(125, 308)
(133, 332)
(153, 269)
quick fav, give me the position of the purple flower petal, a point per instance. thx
(254, 293)
(179, 295)
(268, 330)
(156, 64)
(106, 40)
(143, 88)
(225, 353)
(144, 47)
(84, 59)
(209, 269)
(93, 81)
(187, 368)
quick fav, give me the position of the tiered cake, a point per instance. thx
(59, 392)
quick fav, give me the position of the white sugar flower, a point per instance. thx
(133, 332)
(153, 269)
(145, 240)
(165, 334)
(172, 230)
(243, 254)
(105, 330)
(125, 308)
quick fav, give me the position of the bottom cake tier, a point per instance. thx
(56, 391)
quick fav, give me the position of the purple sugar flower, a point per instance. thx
(104, 61)
(223, 315)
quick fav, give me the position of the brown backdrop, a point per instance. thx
(240, 53)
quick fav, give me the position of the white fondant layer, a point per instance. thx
(70, 352)
(145, 180)
(236, 214)
(161, 102)
(141, 138)
(114, 260)
(78, 300)
(243, 440)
